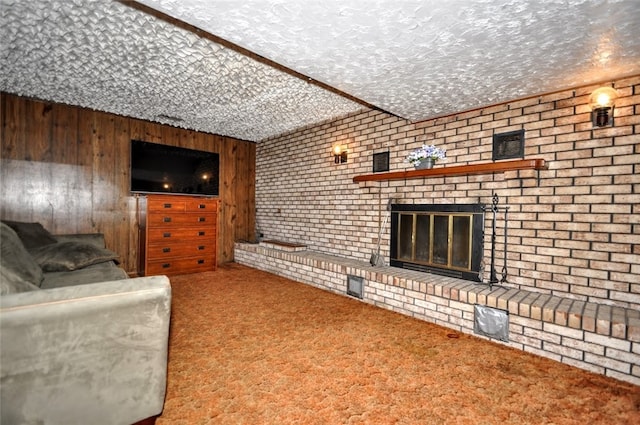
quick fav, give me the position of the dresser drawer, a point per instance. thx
(171, 220)
(201, 205)
(194, 234)
(177, 249)
(158, 204)
(180, 266)
(188, 204)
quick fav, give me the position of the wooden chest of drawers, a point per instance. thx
(179, 234)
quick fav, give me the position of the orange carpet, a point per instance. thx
(249, 347)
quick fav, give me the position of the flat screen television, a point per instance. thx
(157, 168)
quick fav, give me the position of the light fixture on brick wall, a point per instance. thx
(339, 154)
(602, 102)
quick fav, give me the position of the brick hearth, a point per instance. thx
(600, 338)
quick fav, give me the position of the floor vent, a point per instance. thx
(355, 286)
(491, 322)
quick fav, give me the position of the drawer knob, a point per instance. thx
(200, 261)
(202, 219)
(167, 205)
(202, 206)
(201, 247)
(166, 265)
(201, 233)
(166, 235)
(166, 219)
(166, 249)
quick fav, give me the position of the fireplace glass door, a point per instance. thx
(437, 239)
(446, 239)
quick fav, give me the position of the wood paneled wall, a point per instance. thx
(68, 168)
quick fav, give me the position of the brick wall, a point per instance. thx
(574, 229)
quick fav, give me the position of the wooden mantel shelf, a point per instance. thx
(458, 170)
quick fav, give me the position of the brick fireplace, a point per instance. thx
(573, 227)
(573, 236)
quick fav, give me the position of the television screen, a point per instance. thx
(157, 168)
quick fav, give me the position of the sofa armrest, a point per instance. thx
(94, 353)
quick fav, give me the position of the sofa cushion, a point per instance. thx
(96, 239)
(32, 235)
(15, 258)
(66, 256)
(95, 273)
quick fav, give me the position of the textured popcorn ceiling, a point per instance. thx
(110, 57)
(416, 59)
(424, 58)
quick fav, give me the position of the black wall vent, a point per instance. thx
(355, 286)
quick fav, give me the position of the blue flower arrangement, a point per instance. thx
(424, 152)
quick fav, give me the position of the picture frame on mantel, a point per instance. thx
(381, 162)
(508, 145)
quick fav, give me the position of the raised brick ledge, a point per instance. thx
(285, 246)
(606, 320)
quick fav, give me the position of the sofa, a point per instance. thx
(80, 342)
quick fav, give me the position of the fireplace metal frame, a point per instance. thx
(477, 246)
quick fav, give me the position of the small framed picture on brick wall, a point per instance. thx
(508, 145)
(380, 162)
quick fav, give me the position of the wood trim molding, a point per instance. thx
(458, 170)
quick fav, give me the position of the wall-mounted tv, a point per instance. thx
(157, 168)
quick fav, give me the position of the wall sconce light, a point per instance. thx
(602, 102)
(339, 154)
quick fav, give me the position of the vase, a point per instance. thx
(425, 164)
